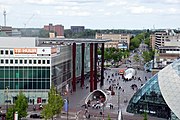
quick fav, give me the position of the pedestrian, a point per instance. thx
(123, 90)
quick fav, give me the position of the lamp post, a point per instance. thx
(7, 98)
(67, 99)
(103, 110)
(67, 104)
(118, 100)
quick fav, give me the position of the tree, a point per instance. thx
(43, 33)
(147, 56)
(21, 105)
(145, 115)
(54, 106)
(136, 58)
(109, 117)
(10, 114)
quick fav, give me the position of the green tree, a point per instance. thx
(136, 58)
(109, 117)
(21, 105)
(10, 113)
(43, 33)
(147, 56)
(54, 106)
(145, 116)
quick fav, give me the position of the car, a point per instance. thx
(36, 116)
(97, 105)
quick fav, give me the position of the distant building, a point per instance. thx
(121, 41)
(152, 41)
(77, 29)
(164, 38)
(58, 29)
(167, 43)
(6, 29)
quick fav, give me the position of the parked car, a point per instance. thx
(36, 116)
(97, 105)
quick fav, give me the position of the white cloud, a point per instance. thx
(140, 9)
(116, 3)
(108, 13)
(40, 1)
(100, 10)
(168, 11)
(72, 11)
(172, 1)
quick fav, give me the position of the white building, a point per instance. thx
(27, 66)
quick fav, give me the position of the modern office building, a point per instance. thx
(26, 65)
(165, 38)
(121, 41)
(32, 65)
(160, 95)
(167, 45)
(77, 29)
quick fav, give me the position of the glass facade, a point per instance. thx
(149, 99)
(62, 67)
(79, 60)
(25, 77)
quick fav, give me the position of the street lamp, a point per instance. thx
(67, 104)
(7, 98)
(67, 99)
(118, 100)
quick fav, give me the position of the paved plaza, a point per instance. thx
(125, 93)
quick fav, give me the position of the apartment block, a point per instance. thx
(58, 29)
(121, 41)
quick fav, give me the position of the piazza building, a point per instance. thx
(33, 65)
(159, 96)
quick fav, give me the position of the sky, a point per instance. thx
(93, 14)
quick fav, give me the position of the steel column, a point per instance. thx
(95, 65)
(74, 67)
(91, 68)
(102, 65)
(82, 66)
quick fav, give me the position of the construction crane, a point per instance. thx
(28, 20)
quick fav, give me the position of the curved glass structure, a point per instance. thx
(160, 95)
(148, 98)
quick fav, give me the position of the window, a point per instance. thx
(20, 61)
(44, 62)
(16, 61)
(25, 61)
(11, 61)
(6, 52)
(39, 61)
(48, 61)
(7, 61)
(2, 61)
(34, 62)
(30, 61)
(11, 52)
(2, 52)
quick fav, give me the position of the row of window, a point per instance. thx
(6, 52)
(25, 85)
(11, 61)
